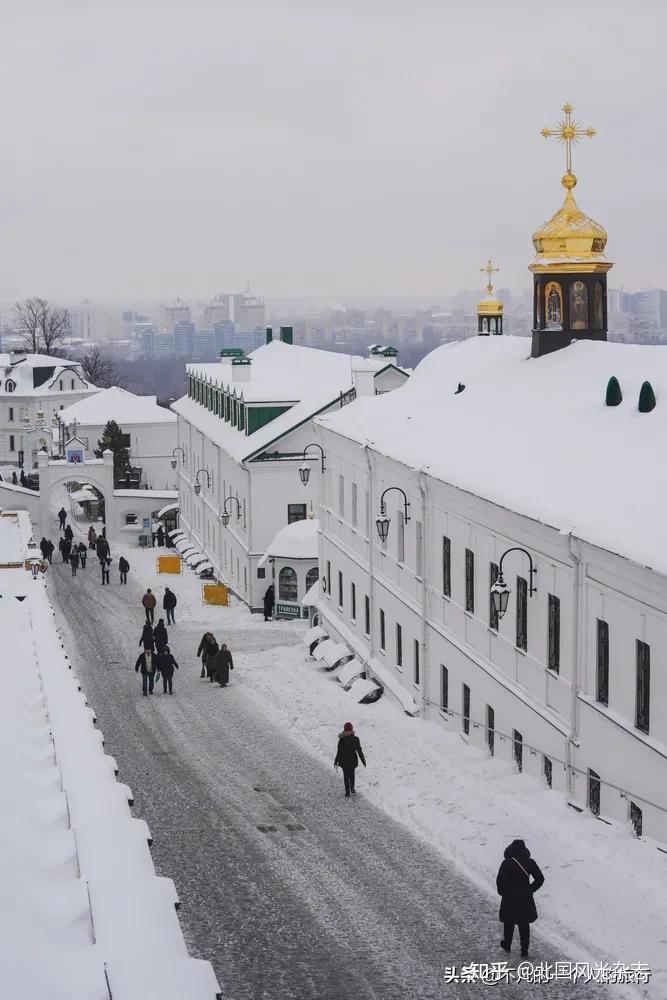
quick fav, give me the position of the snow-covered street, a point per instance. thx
(287, 887)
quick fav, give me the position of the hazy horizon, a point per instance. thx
(351, 151)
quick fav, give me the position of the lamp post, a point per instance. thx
(304, 469)
(383, 520)
(197, 485)
(500, 592)
(174, 461)
(224, 517)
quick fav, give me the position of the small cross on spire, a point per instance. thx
(568, 132)
(489, 270)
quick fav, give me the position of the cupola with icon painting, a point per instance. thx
(570, 266)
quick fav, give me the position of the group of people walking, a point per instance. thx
(216, 660)
(156, 659)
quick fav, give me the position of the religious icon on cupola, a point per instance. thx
(578, 306)
(554, 306)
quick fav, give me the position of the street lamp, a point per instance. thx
(197, 485)
(174, 461)
(500, 592)
(224, 517)
(304, 469)
(383, 520)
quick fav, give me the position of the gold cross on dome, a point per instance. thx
(568, 132)
(489, 269)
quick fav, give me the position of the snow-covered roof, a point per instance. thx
(116, 404)
(534, 435)
(14, 535)
(295, 541)
(39, 375)
(303, 378)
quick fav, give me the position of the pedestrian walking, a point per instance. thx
(83, 554)
(44, 548)
(160, 535)
(105, 564)
(49, 550)
(269, 602)
(161, 635)
(69, 534)
(147, 640)
(62, 545)
(74, 561)
(166, 665)
(149, 602)
(92, 537)
(15, 482)
(102, 548)
(123, 568)
(517, 905)
(222, 664)
(62, 517)
(348, 755)
(208, 647)
(146, 664)
(67, 548)
(23, 480)
(169, 604)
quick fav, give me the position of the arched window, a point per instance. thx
(9, 385)
(312, 576)
(287, 584)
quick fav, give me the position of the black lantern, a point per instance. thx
(197, 489)
(500, 595)
(224, 516)
(197, 484)
(382, 523)
(225, 519)
(304, 470)
(173, 463)
(304, 473)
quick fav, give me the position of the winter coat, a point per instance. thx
(161, 636)
(222, 664)
(349, 751)
(123, 565)
(517, 905)
(44, 547)
(74, 558)
(208, 646)
(160, 536)
(166, 664)
(62, 513)
(147, 640)
(49, 549)
(69, 534)
(148, 601)
(147, 665)
(102, 547)
(269, 601)
(169, 601)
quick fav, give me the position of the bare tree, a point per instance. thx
(98, 368)
(41, 325)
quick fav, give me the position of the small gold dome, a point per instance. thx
(569, 236)
(489, 306)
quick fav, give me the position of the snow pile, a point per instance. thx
(116, 404)
(534, 435)
(85, 900)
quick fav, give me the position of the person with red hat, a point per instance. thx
(348, 755)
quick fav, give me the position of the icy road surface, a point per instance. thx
(291, 890)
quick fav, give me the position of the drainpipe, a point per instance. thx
(371, 549)
(573, 738)
(423, 677)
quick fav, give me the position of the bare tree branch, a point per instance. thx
(41, 325)
(98, 368)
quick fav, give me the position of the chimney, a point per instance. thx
(286, 334)
(269, 334)
(241, 368)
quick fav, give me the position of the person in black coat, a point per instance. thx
(69, 534)
(222, 664)
(102, 548)
(123, 569)
(74, 561)
(147, 640)
(146, 663)
(269, 602)
(161, 635)
(518, 879)
(166, 664)
(160, 535)
(49, 550)
(348, 755)
(169, 604)
(44, 548)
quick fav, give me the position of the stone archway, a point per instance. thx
(96, 471)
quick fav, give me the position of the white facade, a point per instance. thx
(293, 558)
(257, 464)
(579, 697)
(34, 389)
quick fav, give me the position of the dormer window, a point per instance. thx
(72, 385)
(10, 385)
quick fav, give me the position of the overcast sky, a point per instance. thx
(329, 148)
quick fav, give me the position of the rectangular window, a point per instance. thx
(61, 385)
(11, 443)
(643, 700)
(399, 646)
(594, 792)
(490, 729)
(296, 512)
(517, 745)
(400, 537)
(244, 515)
(340, 590)
(446, 566)
(261, 573)
(416, 661)
(554, 633)
(130, 519)
(419, 555)
(602, 658)
(126, 440)
(493, 614)
(636, 819)
(367, 615)
(382, 631)
(444, 688)
(548, 770)
(521, 613)
(11, 414)
(367, 513)
(72, 383)
(470, 581)
(328, 579)
(353, 602)
(341, 496)
(355, 512)
(465, 714)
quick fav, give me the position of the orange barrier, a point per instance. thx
(169, 564)
(215, 593)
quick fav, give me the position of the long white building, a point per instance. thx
(494, 450)
(243, 428)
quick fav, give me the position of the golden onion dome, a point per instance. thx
(489, 306)
(570, 236)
